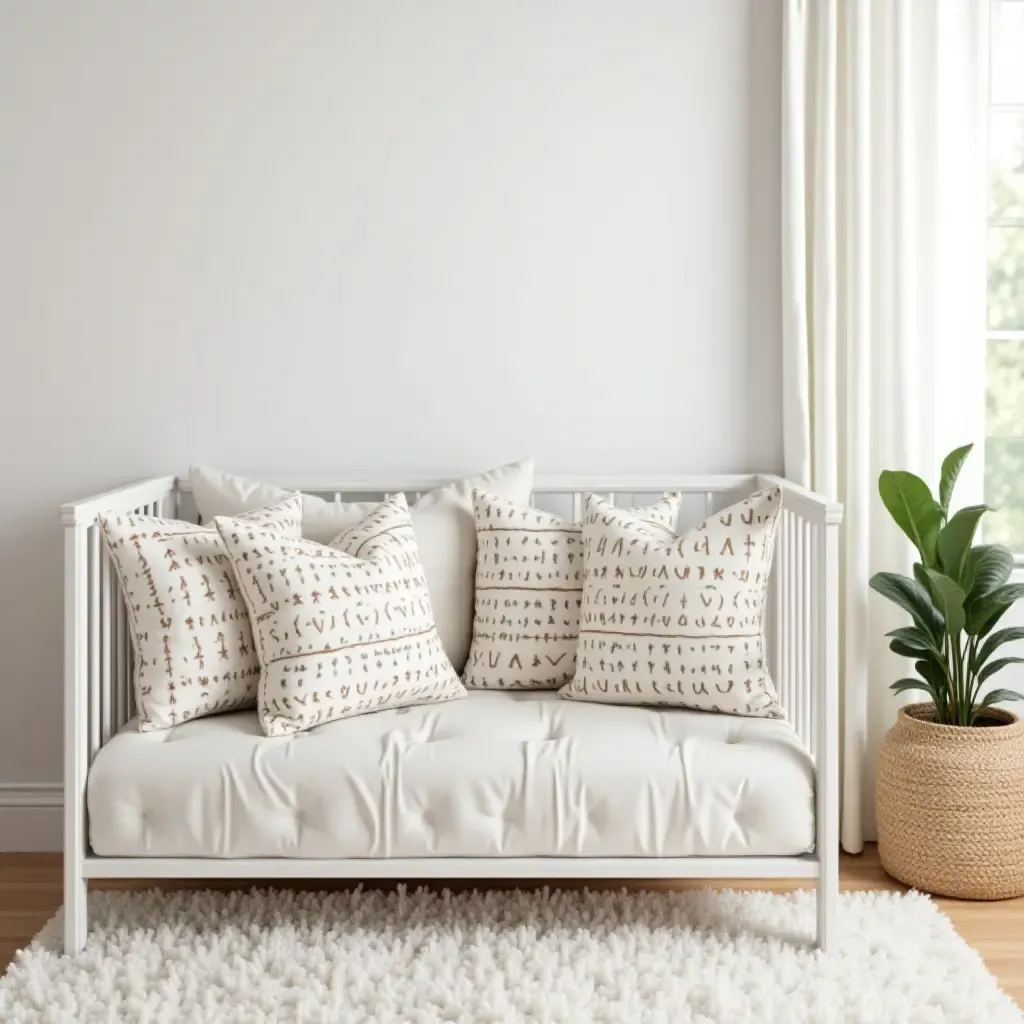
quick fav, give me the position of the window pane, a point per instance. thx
(1007, 47)
(1004, 492)
(1006, 278)
(1004, 447)
(1005, 405)
(1006, 146)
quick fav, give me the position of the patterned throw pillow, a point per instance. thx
(680, 622)
(442, 519)
(529, 584)
(194, 650)
(341, 629)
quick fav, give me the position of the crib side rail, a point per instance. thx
(803, 645)
(157, 490)
(803, 589)
(99, 693)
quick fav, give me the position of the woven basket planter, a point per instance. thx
(950, 805)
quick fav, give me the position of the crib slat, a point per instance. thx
(115, 704)
(97, 555)
(126, 676)
(801, 632)
(789, 614)
(817, 533)
(108, 598)
(709, 504)
(577, 506)
(777, 617)
(805, 625)
(794, 636)
(777, 609)
(803, 619)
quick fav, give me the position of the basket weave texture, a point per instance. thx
(950, 805)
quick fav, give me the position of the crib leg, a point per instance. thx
(76, 911)
(828, 902)
(76, 728)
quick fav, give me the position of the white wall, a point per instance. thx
(413, 234)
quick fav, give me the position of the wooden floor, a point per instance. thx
(30, 893)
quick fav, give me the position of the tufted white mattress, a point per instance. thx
(495, 774)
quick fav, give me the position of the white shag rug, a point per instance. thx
(419, 956)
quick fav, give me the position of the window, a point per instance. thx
(1004, 447)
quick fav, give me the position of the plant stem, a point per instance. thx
(949, 717)
(965, 698)
(973, 686)
(958, 678)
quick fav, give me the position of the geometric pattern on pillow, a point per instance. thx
(678, 623)
(529, 585)
(193, 645)
(341, 629)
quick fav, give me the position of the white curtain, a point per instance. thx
(883, 207)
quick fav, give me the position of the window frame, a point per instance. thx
(993, 109)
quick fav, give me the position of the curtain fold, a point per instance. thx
(883, 266)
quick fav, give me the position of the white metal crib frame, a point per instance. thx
(802, 646)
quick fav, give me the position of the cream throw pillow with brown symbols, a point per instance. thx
(678, 622)
(529, 585)
(193, 646)
(341, 628)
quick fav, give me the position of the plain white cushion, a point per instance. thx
(511, 774)
(442, 520)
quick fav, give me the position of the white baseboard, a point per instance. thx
(30, 816)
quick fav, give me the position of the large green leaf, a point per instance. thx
(983, 613)
(912, 598)
(949, 596)
(998, 696)
(922, 577)
(911, 505)
(951, 466)
(917, 639)
(993, 620)
(904, 650)
(954, 542)
(901, 685)
(994, 697)
(993, 643)
(996, 666)
(989, 567)
(934, 670)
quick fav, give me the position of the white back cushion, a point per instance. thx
(442, 520)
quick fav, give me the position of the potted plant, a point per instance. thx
(950, 781)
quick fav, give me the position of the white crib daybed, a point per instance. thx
(499, 785)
